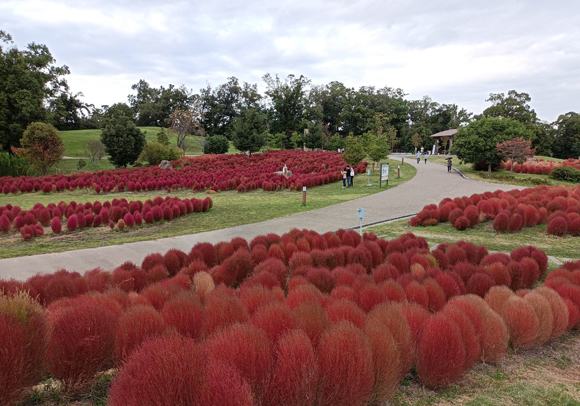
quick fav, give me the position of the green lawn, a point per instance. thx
(230, 209)
(75, 141)
(484, 234)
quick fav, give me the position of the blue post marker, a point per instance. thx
(360, 213)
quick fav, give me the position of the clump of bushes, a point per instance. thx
(566, 173)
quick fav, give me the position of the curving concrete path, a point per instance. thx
(431, 184)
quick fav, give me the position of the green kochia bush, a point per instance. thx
(566, 173)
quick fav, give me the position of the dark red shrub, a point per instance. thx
(136, 325)
(184, 312)
(164, 370)
(345, 310)
(441, 353)
(129, 220)
(346, 367)
(295, 372)
(56, 225)
(248, 349)
(24, 330)
(454, 215)
(480, 283)
(82, 341)
(557, 226)
(470, 340)
(312, 319)
(151, 260)
(222, 309)
(416, 316)
(399, 261)
(72, 223)
(321, 278)
(516, 223)
(172, 262)
(369, 296)
(275, 319)
(462, 223)
(436, 294)
(209, 253)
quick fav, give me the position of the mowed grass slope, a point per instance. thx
(76, 141)
(230, 209)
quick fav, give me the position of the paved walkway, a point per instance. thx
(431, 184)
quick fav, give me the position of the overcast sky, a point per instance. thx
(454, 51)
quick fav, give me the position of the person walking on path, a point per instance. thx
(426, 154)
(448, 164)
(418, 156)
(343, 173)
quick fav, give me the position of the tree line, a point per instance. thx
(291, 113)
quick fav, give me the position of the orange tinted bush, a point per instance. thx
(559, 310)
(222, 309)
(522, 322)
(136, 325)
(544, 312)
(386, 360)
(497, 296)
(312, 319)
(393, 319)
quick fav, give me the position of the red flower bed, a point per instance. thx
(558, 206)
(216, 172)
(75, 215)
(541, 167)
(441, 310)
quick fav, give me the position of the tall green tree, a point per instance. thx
(314, 137)
(476, 143)
(153, 106)
(567, 136)
(43, 146)
(28, 81)
(223, 104)
(288, 102)
(123, 141)
(353, 152)
(250, 131)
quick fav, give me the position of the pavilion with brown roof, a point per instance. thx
(441, 135)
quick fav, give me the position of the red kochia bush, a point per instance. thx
(386, 360)
(522, 322)
(184, 312)
(470, 340)
(275, 319)
(295, 372)
(165, 370)
(501, 222)
(56, 225)
(136, 325)
(23, 336)
(346, 367)
(557, 226)
(221, 310)
(82, 341)
(346, 310)
(312, 319)
(248, 349)
(441, 353)
(391, 317)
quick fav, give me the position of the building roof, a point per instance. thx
(446, 133)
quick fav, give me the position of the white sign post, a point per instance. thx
(384, 174)
(360, 213)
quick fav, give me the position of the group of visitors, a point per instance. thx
(425, 155)
(421, 154)
(347, 176)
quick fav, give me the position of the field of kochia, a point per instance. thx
(293, 319)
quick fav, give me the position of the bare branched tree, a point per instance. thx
(95, 151)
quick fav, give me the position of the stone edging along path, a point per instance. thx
(431, 184)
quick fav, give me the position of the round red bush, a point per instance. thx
(557, 226)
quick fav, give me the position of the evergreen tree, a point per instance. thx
(122, 139)
(249, 131)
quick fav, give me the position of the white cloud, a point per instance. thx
(456, 52)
